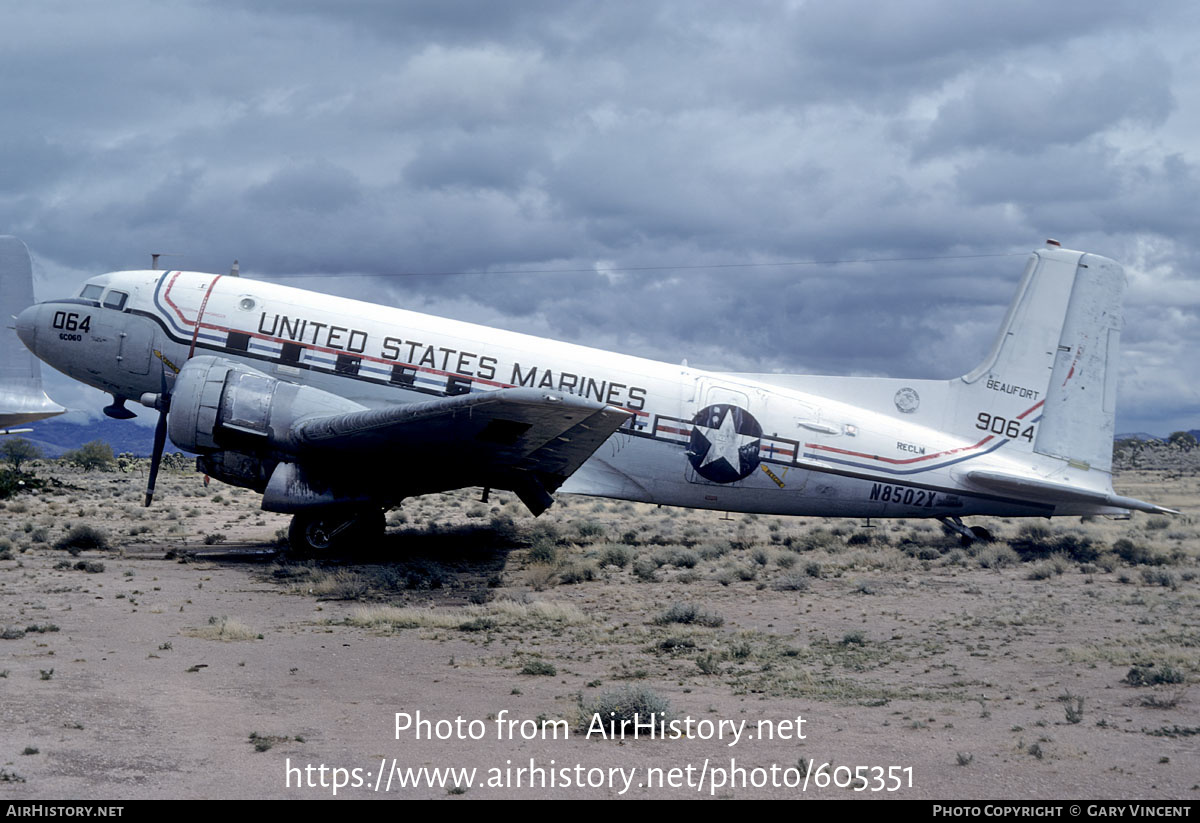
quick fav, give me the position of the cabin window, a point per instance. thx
(347, 364)
(238, 341)
(291, 352)
(115, 300)
(92, 291)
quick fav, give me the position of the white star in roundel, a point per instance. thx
(725, 443)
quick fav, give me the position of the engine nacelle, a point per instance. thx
(237, 469)
(218, 405)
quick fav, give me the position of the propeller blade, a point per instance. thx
(163, 403)
(160, 440)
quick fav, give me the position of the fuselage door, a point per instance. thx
(137, 339)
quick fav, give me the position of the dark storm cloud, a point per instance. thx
(490, 159)
(379, 138)
(882, 52)
(1023, 111)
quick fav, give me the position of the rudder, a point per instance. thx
(1048, 384)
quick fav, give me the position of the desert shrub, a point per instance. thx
(683, 558)
(1079, 549)
(919, 550)
(13, 482)
(645, 569)
(792, 583)
(713, 550)
(1036, 532)
(579, 572)
(94, 455)
(618, 555)
(18, 450)
(82, 536)
(818, 539)
(338, 585)
(225, 629)
(1148, 674)
(504, 527)
(1137, 555)
(478, 624)
(867, 538)
(543, 551)
(689, 614)
(675, 644)
(661, 557)
(539, 668)
(1051, 567)
(1037, 541)
(623, 708)
(590, 531)
(996, 556)
(424, 575)
(544, 531)
(1160, 577)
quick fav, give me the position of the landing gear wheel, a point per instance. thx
(966, 536)
(982, 534)
(978, 535)
(315, 533)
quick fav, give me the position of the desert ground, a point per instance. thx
(185, 657)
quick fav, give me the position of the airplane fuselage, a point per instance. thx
(693, 438)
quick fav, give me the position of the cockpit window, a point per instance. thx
(115, 300)
(92, 291)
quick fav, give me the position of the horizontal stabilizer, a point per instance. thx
(1049, 492)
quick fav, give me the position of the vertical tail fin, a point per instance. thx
(21, 397)
(1049, 382)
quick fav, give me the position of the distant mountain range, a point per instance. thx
(1144, 436)
(56, 436)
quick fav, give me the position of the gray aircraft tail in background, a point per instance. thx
(22, 399)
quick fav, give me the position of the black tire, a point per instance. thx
(979, 535)
(314, 534)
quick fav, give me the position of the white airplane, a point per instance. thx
(337, 409)
(22, 399)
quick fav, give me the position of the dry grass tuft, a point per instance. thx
(499, 612)
(225, 628)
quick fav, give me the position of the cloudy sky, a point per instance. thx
(641, 176)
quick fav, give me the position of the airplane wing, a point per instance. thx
(1049, 492)
(523, 439)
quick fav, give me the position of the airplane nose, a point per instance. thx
(27, 326)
